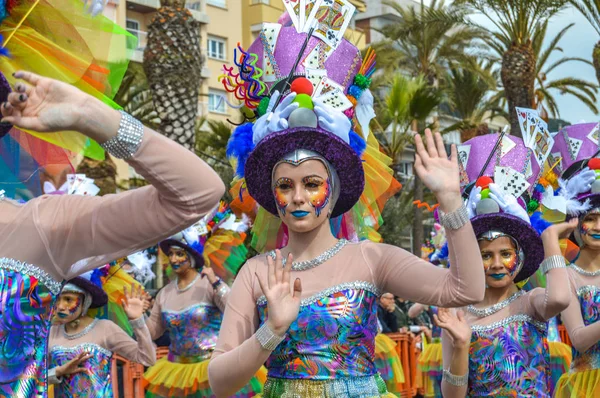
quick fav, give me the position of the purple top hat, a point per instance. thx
(99, 296)
(166, 244)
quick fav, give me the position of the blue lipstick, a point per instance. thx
(61, 315)
(299, 213)
(595, 236)
(497, 276)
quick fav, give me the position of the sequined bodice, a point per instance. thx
(96, 384)
(509, 358)
(333, 336)
(193, 331)
(589, 300)
(27, 296)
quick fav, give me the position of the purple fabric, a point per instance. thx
(587, 149)
(272, 148)
(99, 297)
(525, 234)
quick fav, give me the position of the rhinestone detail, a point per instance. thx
(128, 139)
(358, 285)
(483, 312)
(88, 347)
(507, 321)
(137, 323)
(28, 269)
(188, 287)
(587, 289)
(584, 272)
(78, 334)
(304, 265)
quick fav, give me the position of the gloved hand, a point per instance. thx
(582, 182)
(474, 198)
(508, 203)
(333, 120)
(190, 235)
(95, 6)
(276, 120)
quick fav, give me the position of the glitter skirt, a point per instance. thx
(354, 387)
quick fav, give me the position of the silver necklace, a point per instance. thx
(304, 265)
(584, 272)
(188, 286)
(484, 312)
(85, 331)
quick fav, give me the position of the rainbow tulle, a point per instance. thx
(226, 253)
(388, 363)
(430, 367)
(561, 356)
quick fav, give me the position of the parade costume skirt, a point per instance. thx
(560, 361)
(172, 379)
(430, 369)
(356, 387)
(388, 363)
(582, 384)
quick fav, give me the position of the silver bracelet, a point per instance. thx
(222, 290)
(455, 220)
(53, 378)
(457, 381)
(128, 139)
(137, 323)
(556, 261)
(267, 339)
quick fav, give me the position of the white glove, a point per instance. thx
(333, 120)
(276, 120)
(582, 182)
(508, 203)
(95, 6)
(190, 235)
(474, 198)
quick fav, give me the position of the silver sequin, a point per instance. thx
(304, 265)
(87, 347)
(507, 321)
(587, 289)
(28, 269)
(584, 272)
(484, 312)
(188, 287)
(79, 334)
(357, 285)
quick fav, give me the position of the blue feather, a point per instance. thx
(95, 278)
(357, 143)
(239, 147)
(538, 222)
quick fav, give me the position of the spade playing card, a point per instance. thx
(315, 76)
(593, 135)
(574, 147)
(511, 181)
(336, 99)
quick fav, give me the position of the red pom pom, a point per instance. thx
(302, 85)
(594, 164)
(484, 182)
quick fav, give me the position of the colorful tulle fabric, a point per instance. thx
(96, 383)
(226, 253)
(388, 363)
(509, 360)
(431, 367)
(560, 361)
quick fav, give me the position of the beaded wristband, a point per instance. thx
(128, 139)
(556, 261)
(457, 381)
(223, 290)
(267, 339)
(455, 220)
(137, 323)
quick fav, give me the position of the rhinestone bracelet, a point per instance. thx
(455, 220)
(556, 261)
(137, 323)
(128, 139)
(223, 290)
(53, 378)
(267, 339)
(457, 381)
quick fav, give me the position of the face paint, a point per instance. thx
(178, 258)
(488, 260)
(510, 260)
(71, 306)
(319, 191)
(283, 186)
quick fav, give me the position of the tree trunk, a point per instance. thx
(596, 59)
(518, 78)
(418, 219)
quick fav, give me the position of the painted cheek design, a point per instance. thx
(73, 309)
(279, 193)
(319, 197)
(510, 263)
(584, 229)
(487, 262)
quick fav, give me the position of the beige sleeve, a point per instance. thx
(583, 337)
(154, 322)
(140, 350)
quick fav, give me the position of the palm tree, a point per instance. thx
(211, 144)
(516, 22)
(135, 97)
(172, 62)
(591, 10)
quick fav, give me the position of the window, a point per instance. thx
(133, 27)
(405, 168)
(218, 3)
(267, 2)
(216, 48)
(216, 101)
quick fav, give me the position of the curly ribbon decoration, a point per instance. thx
(246, 85)
(425, 205)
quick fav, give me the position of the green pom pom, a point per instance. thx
(532, 206)
(304, 100)
(485, 193)
(362, 81)
(261, 109)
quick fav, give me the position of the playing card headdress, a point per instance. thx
(500, 173)
(307, 61)
(217, 239)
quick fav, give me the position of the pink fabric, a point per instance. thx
(68, 235)
(582, 337)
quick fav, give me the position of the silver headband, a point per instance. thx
(87, 300)
(300, 156)
(493, 235)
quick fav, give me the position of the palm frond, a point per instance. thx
(590, 10)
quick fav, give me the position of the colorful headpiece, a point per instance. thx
(95, 297)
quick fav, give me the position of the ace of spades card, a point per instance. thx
(330, 19)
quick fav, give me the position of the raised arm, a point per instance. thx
(416, 309)
(220, 290)
(456, 337)
(154, 322)
(82, 233)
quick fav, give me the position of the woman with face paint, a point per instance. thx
(309, 310)
(81, 348)
(498, 347)
(580, 189)
(190, 309)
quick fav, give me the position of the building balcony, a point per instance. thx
(196, 7)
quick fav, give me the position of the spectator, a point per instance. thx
(385, 313)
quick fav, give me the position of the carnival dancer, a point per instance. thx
(310, 310)
(497, 347)
(81, 347)
(190, 307)
(53, 238)
(577, 146)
